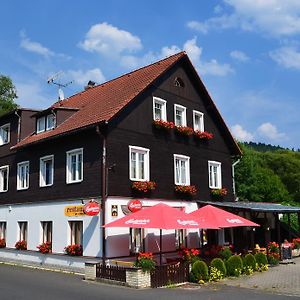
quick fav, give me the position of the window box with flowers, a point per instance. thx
(45, 247)
(186, 190)
(143, 186)
(2, 243)
(163, 125)
(219, 193)
(203, 135)
(21, 245)
(184, 130)
(145, 261)
(73, 250)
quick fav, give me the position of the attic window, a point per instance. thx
(178, 82)
(45, 123)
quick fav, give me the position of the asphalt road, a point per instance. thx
(30, 284)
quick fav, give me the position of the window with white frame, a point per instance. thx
(22, 231)
(215, 175)
(159, 109)
(2, 230)
(46, 232)
(138, 163)
(136, 237)
(40, 124)
(46, 170)
(76, 232)
(4, 178)
(74, 166)
(179, 115)
(182, 169)
(198, 120)
(23, 175)
(180, 238)
(4, 134)
(50, 122)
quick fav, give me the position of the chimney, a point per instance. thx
(89, 85)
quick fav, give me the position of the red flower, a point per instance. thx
(2, 243)
(160, 124)
(219, 192)
(21, 245)
(186, 189)
(204, 135)
(143, 186)
(184, 130)
(45, 247)
(74, 250)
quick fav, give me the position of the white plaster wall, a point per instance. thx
(34, 214)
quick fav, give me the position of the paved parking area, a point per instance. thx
(282, 279)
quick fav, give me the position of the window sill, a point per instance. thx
(77, 181)
(22, 189)
(44, 186)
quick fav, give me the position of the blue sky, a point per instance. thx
(247, 52)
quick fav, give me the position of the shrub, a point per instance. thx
(219, 264)
(21, 245)
(261, 259)
(234, 265)
(215, 274)
(247, 270)
(2, 243)
(199, 271)
(145, 261)
(73, 250)
(249, 261)
(225, 253)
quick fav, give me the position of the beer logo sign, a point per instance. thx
(134, 205)
(92, 208)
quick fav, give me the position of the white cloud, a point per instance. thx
(212, 67)
(82, 77)
(270, 131)
(274, 17)
(239, 55)
(193, 50)
(288, 57)
(241, 134)
(34, 47)
(106, 39)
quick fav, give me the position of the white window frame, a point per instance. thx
(39, 121)
(163, 109)
(183, 109)
(186, 159)
(211, 180)
(43, 170)
(19, 183)
(2, 190)
(201, 115)
(146, 152)
(68, 166)
(76, 231)
(47, 121)
(2, 129)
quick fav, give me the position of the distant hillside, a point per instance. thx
(261, 147)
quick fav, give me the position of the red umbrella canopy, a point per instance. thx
(160, 216)
(220, 217)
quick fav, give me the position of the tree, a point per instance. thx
(7, 95)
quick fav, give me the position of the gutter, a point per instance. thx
(19, 126)
(233, 179)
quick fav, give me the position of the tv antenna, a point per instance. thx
(53, 80)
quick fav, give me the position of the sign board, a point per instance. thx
(91, 208)
(134, 205)
(74, 211)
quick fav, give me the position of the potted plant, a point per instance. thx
(45, 247)
(273, 253)
(164, 125)
(21, 245)
(189, 255)
(145, 261)
(2, 243)
(186, 190)
(296, 247)
(203, 135)
(74, 250)
(184, 130)
(219, 193)
(143, 186)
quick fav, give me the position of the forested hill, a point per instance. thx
(261, 147)
(268, 176)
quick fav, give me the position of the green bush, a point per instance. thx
(199, 271)
(234, 265)
(219, 264)
(225, 253)
(249, 261)
(261, 259)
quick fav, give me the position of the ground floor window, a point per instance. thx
(46, 232)
(180, 238)
(2, 230)
(136, 243)
(76, 232)
(23, 231)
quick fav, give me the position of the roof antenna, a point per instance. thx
(53, 80)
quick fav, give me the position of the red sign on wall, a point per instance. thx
(134, 205)
(92, 208)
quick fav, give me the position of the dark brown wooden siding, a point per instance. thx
(28, 124)
(134, 127)
(11, 119)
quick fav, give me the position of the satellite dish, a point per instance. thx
(61, 94)
(52, 80)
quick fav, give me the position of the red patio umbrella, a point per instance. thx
(220, 217)
(161, 216)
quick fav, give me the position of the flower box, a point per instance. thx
(45, 247)
(145, 261)
(219, 192)
(73, 250)
(188, 190)
(21, 245)
(184, 130)
(203, 135)
(2, 243)
(143, 186)
(164, 125)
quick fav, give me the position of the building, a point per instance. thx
(100, 142)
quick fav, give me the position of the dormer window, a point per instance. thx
(4, 134)
(40, 125)
(50, 122)
(45, 123)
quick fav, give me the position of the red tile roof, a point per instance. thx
(102, 102)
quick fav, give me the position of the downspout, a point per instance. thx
(103, 191)
(233, 179)
(19, 127)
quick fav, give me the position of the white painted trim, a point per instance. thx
(18, 177)
(164, 108)
(7, 168)
(47, 157)
(201, 114)
(147, 162)
(187, 159)
(183, 109)
(68, 153)
(219, 174)
(37, 126)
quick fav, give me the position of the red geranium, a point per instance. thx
(143, 186)
(45, 247)
(189, 190)
(219, 192)
(184, 130)
(203, 135)
(2, 243)
(21, 245)
(74, 250)
(160, 124)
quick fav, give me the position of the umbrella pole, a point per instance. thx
(160, 245)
